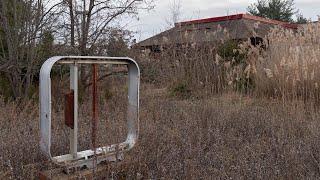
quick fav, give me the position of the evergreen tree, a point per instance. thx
(282, 10)
(301, 19)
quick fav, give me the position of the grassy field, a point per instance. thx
(229, 136)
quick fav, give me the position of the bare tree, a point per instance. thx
(28, 26)
(88, 22)
(22, 26)
(175, 12)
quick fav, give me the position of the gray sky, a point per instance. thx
(153, 22)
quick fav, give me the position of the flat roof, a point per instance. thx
(237, 17)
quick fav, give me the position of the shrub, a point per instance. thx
(5, 89)
(235, 53)
(180, 90)
(228, 51)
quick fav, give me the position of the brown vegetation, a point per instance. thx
(228, 136)
(289, 68)
(206, 112)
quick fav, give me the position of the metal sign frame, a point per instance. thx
(85, 158)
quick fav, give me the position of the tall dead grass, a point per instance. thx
(289, 67)
(201, 68)
(285, 66)
(228, 136)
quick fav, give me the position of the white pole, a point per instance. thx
(74, 131)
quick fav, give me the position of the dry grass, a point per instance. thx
(229, 136)
(205, 68)
(218, 133)
(194, 65)
(286, 66)
(289, 67)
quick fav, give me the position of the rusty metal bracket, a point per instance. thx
(69, 109)
(87, 158)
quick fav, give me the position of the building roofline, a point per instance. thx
(237, 17)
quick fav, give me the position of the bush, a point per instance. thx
(180, 90)
(149, 73)
(235, 53)
(5, 88)
(228, 51)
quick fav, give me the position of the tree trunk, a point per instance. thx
(72, 23)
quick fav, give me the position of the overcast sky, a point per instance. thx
(153, 22)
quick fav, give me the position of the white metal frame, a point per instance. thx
(85, 158)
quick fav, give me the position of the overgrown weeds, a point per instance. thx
(228, 136)
(180, 89)
(227, 133)
(285, 65)
(289, 68)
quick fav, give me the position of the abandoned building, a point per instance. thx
(213, 30)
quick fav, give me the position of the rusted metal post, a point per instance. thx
(94, 111)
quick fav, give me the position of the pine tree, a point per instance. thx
(282, 10)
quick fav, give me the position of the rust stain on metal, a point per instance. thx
(94, 104)
(69, 109)
(94, 111)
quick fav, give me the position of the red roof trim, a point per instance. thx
(236, 17)
(214, 19)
